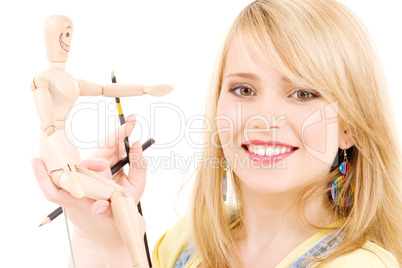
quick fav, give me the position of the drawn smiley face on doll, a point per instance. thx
(65, 39)
(58, 35)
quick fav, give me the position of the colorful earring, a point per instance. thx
(224, 180)
(344, 168)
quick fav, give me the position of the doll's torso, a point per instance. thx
(64, 91)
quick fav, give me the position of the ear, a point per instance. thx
(345, 142)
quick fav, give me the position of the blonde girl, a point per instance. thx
(298, 89)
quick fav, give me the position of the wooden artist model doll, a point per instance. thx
(298, 113)
(55, 92)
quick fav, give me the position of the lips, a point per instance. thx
(268, 143)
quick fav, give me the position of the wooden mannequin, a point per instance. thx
(55, 92)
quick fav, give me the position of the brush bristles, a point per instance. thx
(113, 77)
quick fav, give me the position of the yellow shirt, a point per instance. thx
(171, 244)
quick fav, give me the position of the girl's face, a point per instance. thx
(258, 110)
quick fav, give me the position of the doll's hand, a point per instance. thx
(49, 131)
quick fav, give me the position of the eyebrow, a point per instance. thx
(68, 27)
(253, 76)
(244, 75)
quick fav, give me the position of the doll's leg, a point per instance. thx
(124, 211)
(82, 182)
(127, 220)
(60, 156)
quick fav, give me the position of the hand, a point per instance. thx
(93, 219)
(112, 150)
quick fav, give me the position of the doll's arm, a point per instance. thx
(44, 104)
(121, 90)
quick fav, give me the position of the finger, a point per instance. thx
(102, 167)
(123, 131)
(95, 165)
(102, 207)
(137, 172)
(52, 192)
(131, 118)
(114, 141)
(142, 223)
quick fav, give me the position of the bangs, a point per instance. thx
(288, 39)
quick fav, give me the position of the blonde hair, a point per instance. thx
(316, 44)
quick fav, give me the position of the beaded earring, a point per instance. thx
(344, 168)
(224, 179)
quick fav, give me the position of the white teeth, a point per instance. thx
(268, 150)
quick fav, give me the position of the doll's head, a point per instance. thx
(58, 35)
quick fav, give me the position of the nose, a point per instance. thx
(266, 116)
(262, 124)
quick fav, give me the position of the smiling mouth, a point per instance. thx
(267, 154)
(268, 149)
(63, 45)
(261, 150)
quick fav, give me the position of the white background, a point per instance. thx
(144, 42)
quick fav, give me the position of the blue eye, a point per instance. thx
(305, 95)
(242, 90)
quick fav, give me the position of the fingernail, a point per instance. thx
(136, 145)
(101, 210)
(137, 142)
(130, 125)
(127, 126)
(130, 118)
